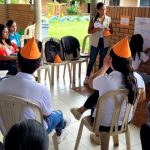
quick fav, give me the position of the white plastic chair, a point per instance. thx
(114, 129)
(29, 32)
(84, 57)
(11, 112)
(53, 65)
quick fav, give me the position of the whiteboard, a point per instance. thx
(142, 26)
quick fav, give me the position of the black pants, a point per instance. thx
(11, 66)
(145, 136)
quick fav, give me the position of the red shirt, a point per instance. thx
(4, 53)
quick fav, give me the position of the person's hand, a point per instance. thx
(107, 29)
(98, 29)
(107, 61)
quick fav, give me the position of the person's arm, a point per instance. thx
(101, 71)
(91, 28)
(9, 57)
(142, 95)
(110, 28)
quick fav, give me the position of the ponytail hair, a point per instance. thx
(124, 66)
(99, 5)
(136, 45)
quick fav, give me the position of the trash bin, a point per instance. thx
(45, 26)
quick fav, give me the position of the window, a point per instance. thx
(114, 2)
(144, 2)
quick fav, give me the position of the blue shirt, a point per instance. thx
(15, 38)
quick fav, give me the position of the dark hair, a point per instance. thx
(136, 45)
(2, 27)
(27, 135)
(28, 65)
(9, 23)
(124, 66)
(99, 5)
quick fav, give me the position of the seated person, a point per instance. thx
(27, 135)
(14, 36)
(25, 86)
(139, 57)
(8, 52)
(122, 76)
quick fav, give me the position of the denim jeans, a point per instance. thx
(55, 121)
(93, 54)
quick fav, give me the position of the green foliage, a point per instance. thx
(72, 10)
(78, 29)
(1, 1)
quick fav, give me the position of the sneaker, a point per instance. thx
(76, 113)
(95, 139)
(86, 80)
(64, 133)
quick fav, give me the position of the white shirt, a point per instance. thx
(136, 63)
(24, 85)
(110, 82)
(98, 24)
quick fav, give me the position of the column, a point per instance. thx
(38, 25)
(7, 1)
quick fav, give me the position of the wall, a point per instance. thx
(21, 13)
(3, 14)
(120, 32)
(131, 3)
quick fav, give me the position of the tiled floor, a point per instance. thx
(65, 98)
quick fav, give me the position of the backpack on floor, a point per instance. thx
(71, 47)
(52, 48)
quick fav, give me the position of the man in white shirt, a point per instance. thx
(25, 86)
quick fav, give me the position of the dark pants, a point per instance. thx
(145, 136)
(11, 66)
(93, 55)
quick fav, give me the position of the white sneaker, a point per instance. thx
(64, 133)
(86, 80)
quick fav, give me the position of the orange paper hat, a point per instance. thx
(30, 50)
(122, 48)
(57, 59)
(106, 33)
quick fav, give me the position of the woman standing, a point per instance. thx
(100, 28)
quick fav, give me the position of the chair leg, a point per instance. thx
(64, 71)
(74, 72)
(79, 70)
(116, 140)
(39, 75)
(49, 76)
(104, 136)
(54, 137)
(128, 143)
(45, 74)
(69, 70)
(79, 136)
(52, 74)
(57, 72)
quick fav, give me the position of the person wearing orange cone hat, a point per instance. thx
(120, 60)
(25, 86)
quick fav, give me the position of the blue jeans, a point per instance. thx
(93, 54)
(55, 121)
